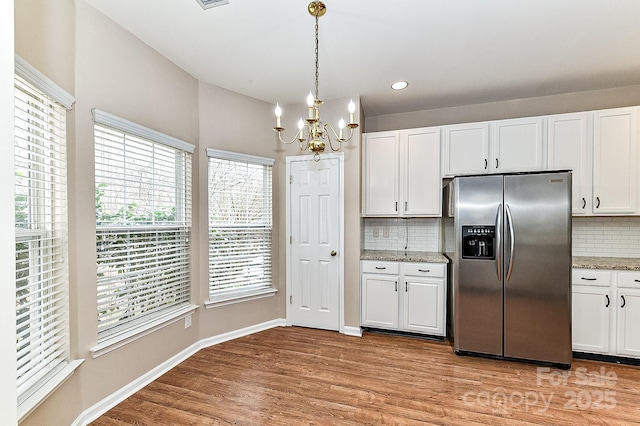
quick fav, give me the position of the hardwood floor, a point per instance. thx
(291, 376)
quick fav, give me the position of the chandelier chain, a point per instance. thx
(317, 74)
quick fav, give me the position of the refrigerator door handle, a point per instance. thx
(512, 240)
(499, 242)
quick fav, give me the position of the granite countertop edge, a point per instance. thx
(404, 256)
(581, 262)
(619, 263)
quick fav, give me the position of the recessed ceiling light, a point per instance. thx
(399, 85)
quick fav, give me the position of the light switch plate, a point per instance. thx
(187, 321)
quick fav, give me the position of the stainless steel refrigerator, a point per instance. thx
(511, 270)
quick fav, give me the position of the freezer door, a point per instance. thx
(537, 253)
(477, 285)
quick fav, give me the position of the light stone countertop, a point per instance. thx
(619, 263)
(582, 262)
(404, 256)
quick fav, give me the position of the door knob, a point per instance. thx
(333, 253)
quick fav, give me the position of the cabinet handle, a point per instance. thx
(381, 267)
(584, 203)
(406, 206)
(485, 164)
(638, 281)
(396, 285)
(588, 279)
(608, 301)
(597, 202)
(424, 270)
(406, 287)
(396, 206)
(624, 302)
(496, 163)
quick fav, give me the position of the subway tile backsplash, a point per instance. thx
(396, 234)
(606, 236)
(592, 236)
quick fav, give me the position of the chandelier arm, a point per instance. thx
(335, 135)
(295, 138)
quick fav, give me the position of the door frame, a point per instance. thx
(304, 158)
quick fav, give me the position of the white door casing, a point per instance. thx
(315, 228)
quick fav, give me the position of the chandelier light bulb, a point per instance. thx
(352, 109)
(340, 126)
(278, 115)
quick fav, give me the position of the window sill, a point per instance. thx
(141, 331)
(238, 298)
(33, 401)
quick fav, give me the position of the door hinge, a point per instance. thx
(290, 300)
(290, 179)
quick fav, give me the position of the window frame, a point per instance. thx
(43, 382)
(143, 324)
(225, 296)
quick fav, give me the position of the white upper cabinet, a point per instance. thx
(615, 162)
(381, 173)
(466, 149)
(569, 148)
(496, 147)
(420, 172)
(517, 145)
(401, 173)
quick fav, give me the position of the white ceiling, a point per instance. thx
(452, 52)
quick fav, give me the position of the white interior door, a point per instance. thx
(315, 224)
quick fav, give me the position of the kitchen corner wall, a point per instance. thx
(592, 236)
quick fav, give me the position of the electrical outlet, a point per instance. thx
(385, 232)
(187, 321)
(376, 232)
(400, 231)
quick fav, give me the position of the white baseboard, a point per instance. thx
(352, 331)
(101, 407)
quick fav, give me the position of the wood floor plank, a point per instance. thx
(292, 375)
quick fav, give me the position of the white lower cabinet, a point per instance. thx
(606, 312)
(404, 296)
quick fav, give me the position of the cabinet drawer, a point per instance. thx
(425, 269)
(629, 279)
(595, 277)
(375, 267)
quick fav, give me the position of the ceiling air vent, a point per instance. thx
(208, 4)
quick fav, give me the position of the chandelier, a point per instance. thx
(313, 135)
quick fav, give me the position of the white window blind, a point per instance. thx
(143, 221)
(240, 224)
(41, 236)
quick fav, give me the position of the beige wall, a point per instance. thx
(528, 107)
(233, 122)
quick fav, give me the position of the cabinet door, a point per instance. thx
(380, 301)
(466, 149)
(614, 161)
(569, 148)
(424, 307)
(591, 311)
(381, 173)
(628, 322)
(421, 180)
(517, 145)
